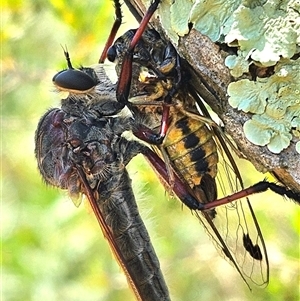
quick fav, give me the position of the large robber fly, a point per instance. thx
(80, 147)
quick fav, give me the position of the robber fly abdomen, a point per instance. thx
(80, 148)
(117, 204)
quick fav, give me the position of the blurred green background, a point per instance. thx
(54, 251)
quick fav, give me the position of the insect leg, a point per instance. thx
(113, 32)
(186, 196)
(181, 190)
(124, 82)
(148, 135)
(256, 188)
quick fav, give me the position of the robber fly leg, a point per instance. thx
(183, 192)
(124, 82)
(256, 188)
(113, 32)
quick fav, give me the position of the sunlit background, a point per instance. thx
(52, 250)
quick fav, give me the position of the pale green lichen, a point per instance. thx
(209, 17)
(164, 11)
(248, 96)
(275, 103)
(237, 65)
(261, 130)
(180, 16)
(264, 30)
(266, 33)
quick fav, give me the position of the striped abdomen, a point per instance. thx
(193, 153)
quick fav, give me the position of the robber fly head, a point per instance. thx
(77, 81)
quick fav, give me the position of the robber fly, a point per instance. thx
(191, 145)
(80, 147)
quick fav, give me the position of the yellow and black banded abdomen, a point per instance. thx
(192, 150)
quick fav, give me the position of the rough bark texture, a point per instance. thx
(205, 60)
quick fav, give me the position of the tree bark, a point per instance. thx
(210, 76)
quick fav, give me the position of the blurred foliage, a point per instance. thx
(54, 251)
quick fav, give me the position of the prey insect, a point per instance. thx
(191, 145)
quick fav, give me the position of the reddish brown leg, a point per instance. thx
(148, 135)
(113, 32)
(186, 196)
(124, 82)
(256, 188)
(180, 189)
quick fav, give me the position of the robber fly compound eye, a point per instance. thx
(78, 81)
(73, 80)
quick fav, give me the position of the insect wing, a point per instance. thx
(231, 230)
(233, 227)
(107, 233)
